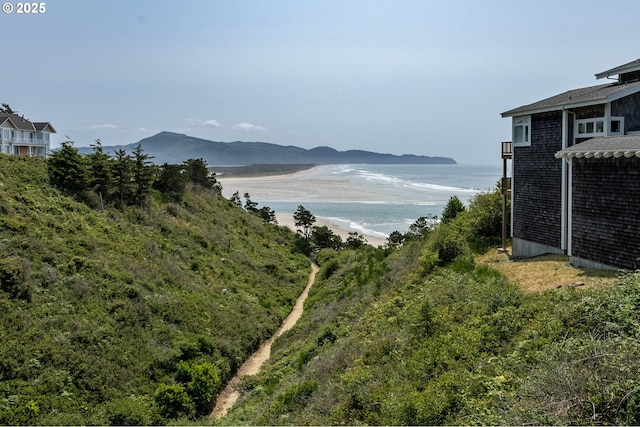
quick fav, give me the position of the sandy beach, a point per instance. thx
(314, 184)
(373, 200)
(339, 229)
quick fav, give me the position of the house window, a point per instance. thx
(587, 128)
(522, 131)
(616, 126)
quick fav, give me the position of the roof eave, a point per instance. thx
(559, 107)
(622, 69)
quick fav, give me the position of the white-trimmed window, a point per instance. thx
(522, 131)
(616, 126)
(587, 128)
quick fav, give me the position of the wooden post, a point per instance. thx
(506, 191)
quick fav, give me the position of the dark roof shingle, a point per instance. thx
(23, 124)
(577, 97)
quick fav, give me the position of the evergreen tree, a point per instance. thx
(355, 240)
(235, 198)
(7, 109)
(171, 180)
(323, 237)
(267, 214)
(67, 169)
(304, 220)
(101, 176)
(122, 174)
(249, 205)
(422, 227)
(142, 175)
(216, 186)
(395, 239)
(453, 207)
(198, 173)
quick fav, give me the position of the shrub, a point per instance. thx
(201, 384)
(14, 277)
(173, 401)
(427, 312)
(448, 241)
(294, 396)
(428, 261)
(130, 411)
(484, 220)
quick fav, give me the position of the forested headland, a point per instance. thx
(132, 292)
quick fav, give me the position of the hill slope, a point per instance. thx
(102, 310)
(174, 148)
(385, 341)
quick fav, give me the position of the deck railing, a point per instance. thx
(23, 140)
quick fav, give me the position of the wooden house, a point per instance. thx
(576, 173)
(21, 137)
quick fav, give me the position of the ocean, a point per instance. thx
(371, 199)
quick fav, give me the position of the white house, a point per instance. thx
(19, 136)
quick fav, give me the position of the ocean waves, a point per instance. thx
(370, 199)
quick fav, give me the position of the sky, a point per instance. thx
(425, 77)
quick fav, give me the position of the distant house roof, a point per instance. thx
(21, 123)
(40, 126)
(603, 147)
(578, 98)
(626, 68)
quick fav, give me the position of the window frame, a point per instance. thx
(523, 122)
(588, 128)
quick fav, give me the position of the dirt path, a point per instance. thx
(229, 395)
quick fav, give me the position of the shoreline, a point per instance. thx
(260, 170)
(341, 230)
(312, 183)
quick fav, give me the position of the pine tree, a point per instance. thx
(67, 169)
(143, 175)
(122, 174)
(304, 219)
(101, 177)
(452, 209)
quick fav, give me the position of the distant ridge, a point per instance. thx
(175, 148)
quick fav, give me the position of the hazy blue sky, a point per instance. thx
(397, 76)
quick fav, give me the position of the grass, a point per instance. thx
(480, 341)
(546, 272)
(101, 307)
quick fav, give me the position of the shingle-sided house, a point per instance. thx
(19, 136)
(576, 173)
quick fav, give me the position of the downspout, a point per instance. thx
(566, 209)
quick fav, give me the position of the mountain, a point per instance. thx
(173, 148)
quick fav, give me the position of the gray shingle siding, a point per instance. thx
(537, 174)
(629, 108)
(605, 220)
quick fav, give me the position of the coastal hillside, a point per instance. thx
(130, 313)
(175, 148)
(424, 334)
(127, 315)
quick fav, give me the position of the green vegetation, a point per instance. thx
(131, 294)
(421, 335)
(116, 314)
